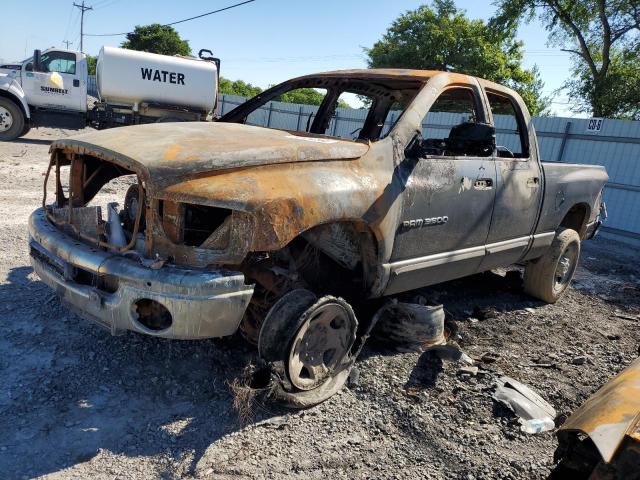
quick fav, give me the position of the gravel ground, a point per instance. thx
(76, 402)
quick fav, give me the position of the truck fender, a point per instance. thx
(9, 88)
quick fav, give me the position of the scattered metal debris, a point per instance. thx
(626, 316)
(525, 403)
(451, 352)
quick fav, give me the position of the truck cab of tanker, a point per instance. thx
(56, 79)
(49, 88)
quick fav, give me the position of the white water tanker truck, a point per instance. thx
(50, 90)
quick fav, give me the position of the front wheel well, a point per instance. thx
(576, 218)
(16, 100)
(338, 258)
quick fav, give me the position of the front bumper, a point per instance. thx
(202, 304)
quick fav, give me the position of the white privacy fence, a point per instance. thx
(616, 146)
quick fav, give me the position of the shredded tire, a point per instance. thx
(280, 328)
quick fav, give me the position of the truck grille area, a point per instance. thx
(194, 225)
(97, 201)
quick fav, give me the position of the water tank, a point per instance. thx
(128, 77)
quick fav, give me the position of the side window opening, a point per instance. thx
(299, 106)
(511, 135)
(453, 127)
(347, 122)
(61, 62)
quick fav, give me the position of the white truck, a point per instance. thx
(50, 89)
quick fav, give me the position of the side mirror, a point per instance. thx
(37, 61)
(29, 67)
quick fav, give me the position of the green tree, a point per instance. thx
(307, 96)
(156, 38)
(91, 64)
(603, 37)
(238, 87)
(441, 37)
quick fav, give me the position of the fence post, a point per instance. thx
(299, 117)
(565, 137)
(335, 123)
(222, 104)
(269, 115)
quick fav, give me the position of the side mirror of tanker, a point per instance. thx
(37, 61)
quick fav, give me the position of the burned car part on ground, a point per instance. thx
(223, 222)
(601, 439)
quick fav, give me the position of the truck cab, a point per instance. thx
(47, 89)
(56, 80)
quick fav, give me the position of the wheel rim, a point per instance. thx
(565, 267)
(6, 119)
(320, 346)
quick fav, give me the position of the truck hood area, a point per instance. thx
(169, 153)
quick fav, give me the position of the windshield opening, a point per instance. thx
(362, 109)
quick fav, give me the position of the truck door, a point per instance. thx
(519, 181)
(448, 197)
(60, 83)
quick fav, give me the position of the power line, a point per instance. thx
(176, 22)
(82, 10)
(66, 30)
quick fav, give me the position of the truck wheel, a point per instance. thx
(309, 343)
(11, 120)
(548, 277)
(169, 119)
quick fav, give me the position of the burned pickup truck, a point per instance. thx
(275, 232)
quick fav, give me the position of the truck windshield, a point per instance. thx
(333, 106)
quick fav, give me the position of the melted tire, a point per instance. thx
(540, 275)
(277, 335)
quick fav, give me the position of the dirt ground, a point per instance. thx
(76, 402)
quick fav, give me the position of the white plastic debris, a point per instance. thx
(538, 425)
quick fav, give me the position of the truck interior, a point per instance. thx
(379, 97)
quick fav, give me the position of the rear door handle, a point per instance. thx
(483, 184)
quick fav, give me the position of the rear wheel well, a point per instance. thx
(576, 218)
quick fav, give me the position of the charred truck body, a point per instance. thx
(50, 90)
(229, 226)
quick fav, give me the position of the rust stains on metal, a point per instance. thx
(611, 414)
(285, 200)
(165, 153)
(171, 153)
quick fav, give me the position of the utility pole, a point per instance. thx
(82, 10)
(66, 42)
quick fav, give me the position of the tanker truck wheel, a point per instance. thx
(11, 120)
(308, 342)
(169, 119)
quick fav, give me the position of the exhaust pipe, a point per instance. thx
(116, 234)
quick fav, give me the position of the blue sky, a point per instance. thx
(263, 42)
